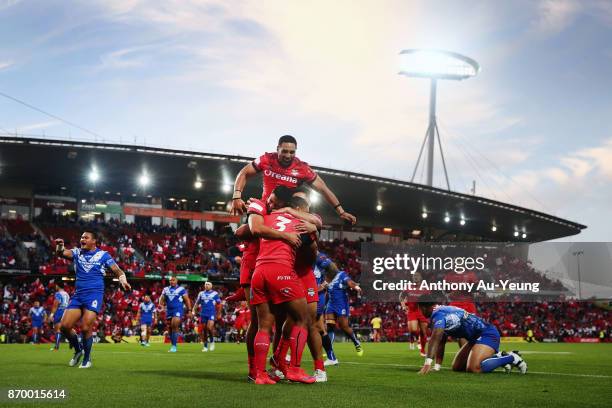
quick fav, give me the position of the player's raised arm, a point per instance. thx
(259, 229)
(238, 207)
(319, 185)
(302, 215)
(122, 278)
(60, 249)
(435, 342)
(243, 232)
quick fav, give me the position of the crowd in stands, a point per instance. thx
(161, 249)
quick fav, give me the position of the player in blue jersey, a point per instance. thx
(146, 317)
(320, 270)
(209, 302)
(60, 303)
(481, 352)
(174, 298)
(337, 308)
(90, 264)
(37, 315)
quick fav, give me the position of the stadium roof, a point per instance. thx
(44, 166)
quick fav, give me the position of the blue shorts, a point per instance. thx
(339, 309)
(147, 322)
(174, 313)
(37, 325)
(489, 337)
(321, 304)
(57, 316)
(90, 299)
(205, 318)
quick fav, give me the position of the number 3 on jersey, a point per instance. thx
(282, 222)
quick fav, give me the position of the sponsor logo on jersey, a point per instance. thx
(282, 177)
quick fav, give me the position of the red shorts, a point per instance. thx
(275, 283)
(247, 266)
(469, 307)
(416, 315)
(311, 289)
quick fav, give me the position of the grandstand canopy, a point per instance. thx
(31, 166)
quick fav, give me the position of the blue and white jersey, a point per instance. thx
(174, 297)
(90, 268)
(146, 311)
(63, 298)
(338, 288)
(458, 323)
(37, 314)
(208, 299)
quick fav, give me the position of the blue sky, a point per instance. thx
(532, 129)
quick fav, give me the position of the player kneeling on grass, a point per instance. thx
(481, 352)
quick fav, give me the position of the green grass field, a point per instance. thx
(560, 375)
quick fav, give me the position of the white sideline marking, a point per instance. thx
(446, 368)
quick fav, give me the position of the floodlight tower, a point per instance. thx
(435, 64)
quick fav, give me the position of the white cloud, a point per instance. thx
(556, 15)
(38, 126)
(5, 64)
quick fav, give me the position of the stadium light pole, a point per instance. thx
(435, 65)
(578, 254)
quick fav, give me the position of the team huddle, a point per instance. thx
(297, 295)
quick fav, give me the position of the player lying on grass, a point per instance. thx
(481, 352)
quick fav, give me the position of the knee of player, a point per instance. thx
(457, 367)
(473, 368)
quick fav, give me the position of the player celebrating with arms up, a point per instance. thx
(173, 297)
(209, 302)
(479, 354)
(90, 263)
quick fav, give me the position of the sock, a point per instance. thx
(74, 342)
(87, 343)
(58, 339)
(34, 338)
(329, 348)
(299, 335)
(353, 338)
(262, 345)
(211, 339)
(318, 365)
(252, 369)
(331, 333)
(491, 363)
(174, 338)
(205, 341)
(423, 342)
(281, 352)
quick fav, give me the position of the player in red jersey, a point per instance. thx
(283, 168)
(304, 268)
(275, 284)
(417, 323)
(243, 318)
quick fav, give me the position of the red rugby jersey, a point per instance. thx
(274, 174)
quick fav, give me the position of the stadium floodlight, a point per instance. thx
(226, 188)
(524, 235)
(197, 184)
(144, 180)
(462, 221)
(378, 207)
(314, 197)
(435, 64)
(424, 214)
(94, 175)
(493, 228)
(516, 233)
(446, 218)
